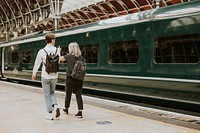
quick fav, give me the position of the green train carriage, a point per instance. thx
(154, 53)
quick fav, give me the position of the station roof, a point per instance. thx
(31, 16)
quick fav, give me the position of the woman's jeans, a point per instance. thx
(75, 86)
(49, 86)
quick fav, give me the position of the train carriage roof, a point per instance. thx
(21, 17)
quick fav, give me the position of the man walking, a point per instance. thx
(49, 79)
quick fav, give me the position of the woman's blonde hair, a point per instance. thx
(74, 49)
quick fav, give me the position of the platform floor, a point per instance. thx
(22, 110)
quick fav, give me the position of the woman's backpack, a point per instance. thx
(79, 69)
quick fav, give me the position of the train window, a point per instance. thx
(14, 54)
(177, 49)
(63, 51)
(123, 52)
(90, 52)
(27, 56)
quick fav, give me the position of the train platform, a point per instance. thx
(23, 111)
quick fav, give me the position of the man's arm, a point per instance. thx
(37, 64)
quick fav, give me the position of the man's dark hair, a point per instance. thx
(49, 37)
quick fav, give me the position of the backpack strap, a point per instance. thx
(81, 57)
(77, 58)
(56, 51)
(45, 51)
(47, 54)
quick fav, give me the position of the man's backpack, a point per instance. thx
(78, 71)
(52, 60)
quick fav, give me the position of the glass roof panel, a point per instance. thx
(70, 5)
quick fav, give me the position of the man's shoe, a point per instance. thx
(57, 112)
(66, 111)
(50, 116)
(79, 114)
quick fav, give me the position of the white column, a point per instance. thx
(15, 34)
(56, 13)
(7, 36)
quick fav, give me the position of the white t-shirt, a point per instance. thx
(41, 58)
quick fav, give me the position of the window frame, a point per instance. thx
(176, 53)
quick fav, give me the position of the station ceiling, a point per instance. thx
(21, 17)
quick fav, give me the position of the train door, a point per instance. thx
(1, 62)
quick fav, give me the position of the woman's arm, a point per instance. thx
(62, 58)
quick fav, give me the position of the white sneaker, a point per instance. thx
(50, 116)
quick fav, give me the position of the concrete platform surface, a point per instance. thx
(22, 110)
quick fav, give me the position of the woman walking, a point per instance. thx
(73, 85)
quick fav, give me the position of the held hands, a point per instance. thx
(62, 58)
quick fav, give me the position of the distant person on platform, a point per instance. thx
(49, 80)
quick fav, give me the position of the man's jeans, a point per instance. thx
(49, 86)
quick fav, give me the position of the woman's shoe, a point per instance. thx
(66, 111)
(79, 114)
